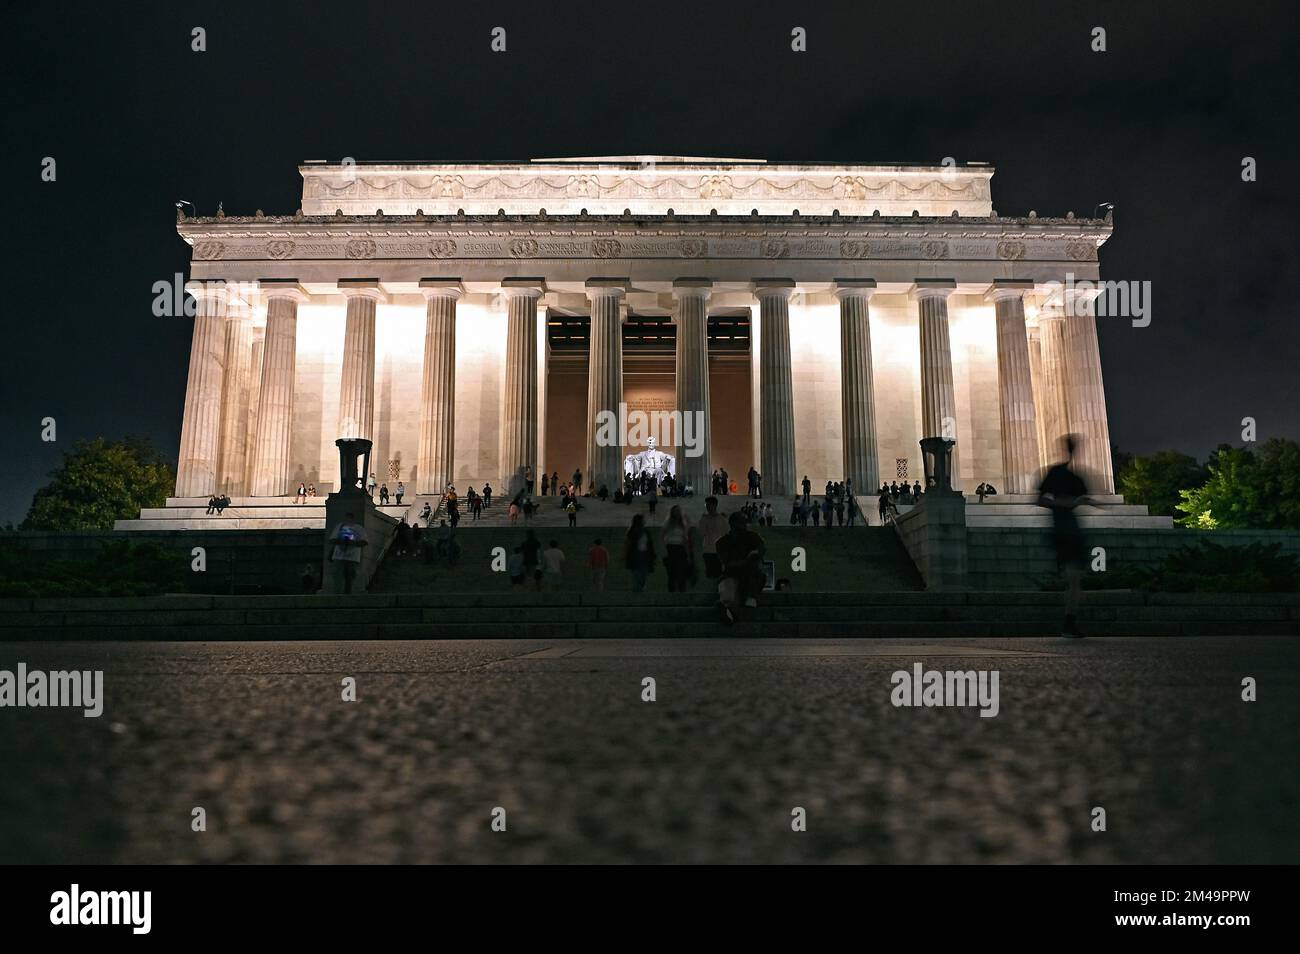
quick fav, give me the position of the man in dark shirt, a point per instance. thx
(1062, 490)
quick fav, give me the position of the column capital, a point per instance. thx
(1005, 288)
(692, 287)
(283, 288)
(368, 288)
(939, 288)
(773, 288)
(854, 288)
(607, 287)
(432, 288)
(216, 291)
(523, 287)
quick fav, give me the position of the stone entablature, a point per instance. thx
(814, 249)
(645, 185)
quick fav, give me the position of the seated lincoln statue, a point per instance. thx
(651, 460)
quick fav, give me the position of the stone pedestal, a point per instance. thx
(1020, 456)
(196, 470)
(692, 320)
(776, 388)
(270, 472)
(857, 395)
(438, 386)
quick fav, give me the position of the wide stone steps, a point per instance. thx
(861, 560)
(565, 615)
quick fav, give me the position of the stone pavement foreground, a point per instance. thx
(741, 732)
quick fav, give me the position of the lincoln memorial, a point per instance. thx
(471, 319)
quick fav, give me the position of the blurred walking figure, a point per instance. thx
(677, 547)
(1062, 490)
(597, 563)
(638, 553)
(741, 553)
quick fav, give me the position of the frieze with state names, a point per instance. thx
(604, 247)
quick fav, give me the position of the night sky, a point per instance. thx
(1158, 125)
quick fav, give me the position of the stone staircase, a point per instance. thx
(250, 513)
(1104, 512)
(839, 559)
(594, 512)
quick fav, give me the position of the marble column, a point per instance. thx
(235, 389)
(1056, 420)
(1036, 374)
(776, 387)
(357, 382)
(438, 386)
(605, 384)
(519, 413)
(270, 476)
(1086, 396)
(1020, 457)
(254, 390)
(692, 319)
(938, 404)
(857, 392)
(196, 468)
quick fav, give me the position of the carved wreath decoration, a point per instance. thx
(360, 248)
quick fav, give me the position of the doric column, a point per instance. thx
(196, 468)
(1086, 396)
(1056, 420)
(605, 384)
(776, 387)
(692, 320)
(254, 391)
(857, 393)
(1036, 374)
(1020, 458)
(235, 389)
(357, 383)
(519, 415)
(275, 395)
(438, 386)
(938, 406)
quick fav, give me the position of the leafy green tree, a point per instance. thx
(101, 481)
(1245, 489)
(1157, 479)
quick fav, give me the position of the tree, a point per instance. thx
(1157, 480)
(1245, 489)
(101, 481)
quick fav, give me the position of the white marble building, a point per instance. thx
(473, 318)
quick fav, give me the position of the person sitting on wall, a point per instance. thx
(349, 538)
(301, 495)
(383, 495)
(212, 504)
(427, 513)
(311, 490)
(222, 503)
(985, 490)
